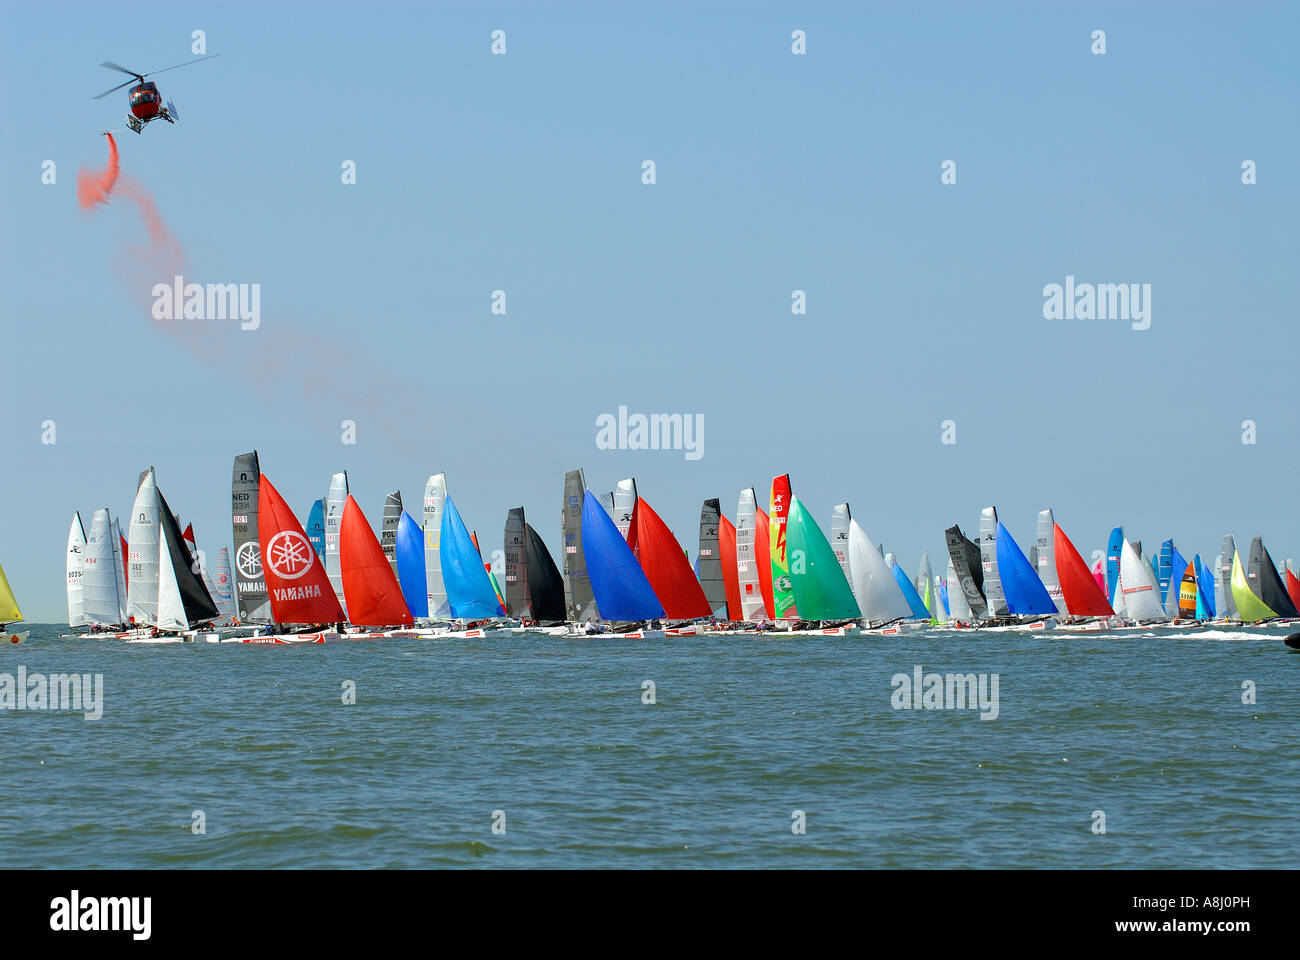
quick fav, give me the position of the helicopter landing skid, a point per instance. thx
(134, 124)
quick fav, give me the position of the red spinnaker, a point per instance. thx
(126, 564)
(296, 581)
(667, 567)
(1083, 598)
(730, 576)
(374, 599)
(763, 551)
(1293, 588)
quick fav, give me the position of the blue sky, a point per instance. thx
(775, 172)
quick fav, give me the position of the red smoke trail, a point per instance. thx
(94, 187)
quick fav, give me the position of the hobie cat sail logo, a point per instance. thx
(214, 301)
(289, 554)
(655, 431)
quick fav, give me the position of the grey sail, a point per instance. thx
(143, 540)
(579, 601)
(334, 504)
(1224, 604)
(1043, 558)
(388, 528)
(752, 605)
(119, 568)
(925, 587)
(516, 572)
(966, 563)
(607, 501)
(710, 559)
(1033, 556)
(1265, 583)
(993, 593)
(623, 508)
(958, 606)
(435, 495)
(250, 584)
(840, 517)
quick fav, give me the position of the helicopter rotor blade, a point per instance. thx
(185, 64)
(117, 66)
(114, 90)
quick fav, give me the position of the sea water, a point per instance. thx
(1159, 748)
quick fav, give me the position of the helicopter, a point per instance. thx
(144, 98)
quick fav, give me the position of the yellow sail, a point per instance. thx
(9, 611)
(1249, 606)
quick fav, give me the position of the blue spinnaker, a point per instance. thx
(316, 527)
(1114, 547)
(1174, 582)
(469, 591)
(1165, 569)
(1024, 591)
(620, 585)
(919, 609)
(1204, 591)
(410, 565)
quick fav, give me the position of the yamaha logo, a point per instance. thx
(289, 555)
(248, 558)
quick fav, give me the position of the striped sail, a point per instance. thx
(435, 497)
(142, 553)
(752, 607)
(334, 504)
(993, 592)
(101, 603)
(75, 568)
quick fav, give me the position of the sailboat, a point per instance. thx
(435, 495)
(545, 583)
(1224, 604)
(926, 589)
(9, 612)
(783, 598)
(621, 590)
(470, 594)
(1205, 590)
(1264, 581)
(103, 599)
(880, 599)
(388, 527)
(1016, 597)
(316, 526)
(1137, 591)
(1082, 602)
(711, 567)
(667, 569)
(224, 584)
(917, 610)
(76, 565)
(250, 585)
(411, 574)
(198, 562)
(370, 589)
(516, 567)
(822, 593)
(335, 502)
(1044, 558)
(964, 557)
(753, 560)
(579, 600)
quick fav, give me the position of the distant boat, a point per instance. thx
(1081, 594)
(783, 598)
(666, 566)
(316, 527)
(1265, 583)
(9, 612)
(372, 594)
(76, 565)
(1250, 608)
(388, 527)
(925, 586)
(821, 590)
(335, 502)
(1224, 603)
(880, 599)
(753, 560)
(224, 584)
(250, 584)
(709, 559)
(409, 552)
(621, 590)
(298, 588)
(470, 593)
(1172, 583)
(1044, 559)
(579, 597)
(964, 556)
(435, 495)
(103, 596)
(1114, 550)
(1205, 590)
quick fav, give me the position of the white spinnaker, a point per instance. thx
(435, 495)
(143, 541)
(334, 503)
(1047, 558)
(957, 605)
(76, 568)
(840, 517)
(224, 597)
(624, 505)
(100, 601)
(752, 606)
(119, 569)
(1139, 586)
(879, 596)
(171, 609)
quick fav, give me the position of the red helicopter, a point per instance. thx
(146, 101)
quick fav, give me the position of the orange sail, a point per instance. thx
(727, 552)
(1083, 598)
(373, 597)
(666, 567)
(296, 582)
(1293, 588)
(763, 550)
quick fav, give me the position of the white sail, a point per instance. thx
(925, 585)
(1139, 586)
(224, 588)
(1225, 605)
(624, 505)
(993, 592)
(957, 605)
(171, 609)
(1047, 558)
(940, 612)
(879, 596)
(752, 607)
(101, 573)
(840, 516)
(119, 568)
(142, 553)
(76, 568)
(334, 503)
(435, 495)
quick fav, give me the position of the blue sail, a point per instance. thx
(316, 528)
(1204, 591)
(410, 565)
(1024, 591)
(1174, 580)
(469, 591)
(1165, 568)
(620, 585)
(943, 595)
(1114, 546)
(919, 609)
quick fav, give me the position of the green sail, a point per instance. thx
(821, 591)
(1249, 606)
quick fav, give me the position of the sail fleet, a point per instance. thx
(621, 572)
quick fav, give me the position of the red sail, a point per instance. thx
(667, 567)
(1293, 588)
(763, 550)
(189, 534)
(296, 582)
(730, 578)
(1083, 598)
(373, 597)
(126, 565)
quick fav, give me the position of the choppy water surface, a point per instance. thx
(1147, 727)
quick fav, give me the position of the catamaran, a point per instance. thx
(9, 612)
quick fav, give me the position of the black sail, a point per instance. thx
(195, 598)
(545, 585)
(580, 601)
(1266, 583)
(710, 562)
(965, 557)
(250, 585)
(516, 585)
